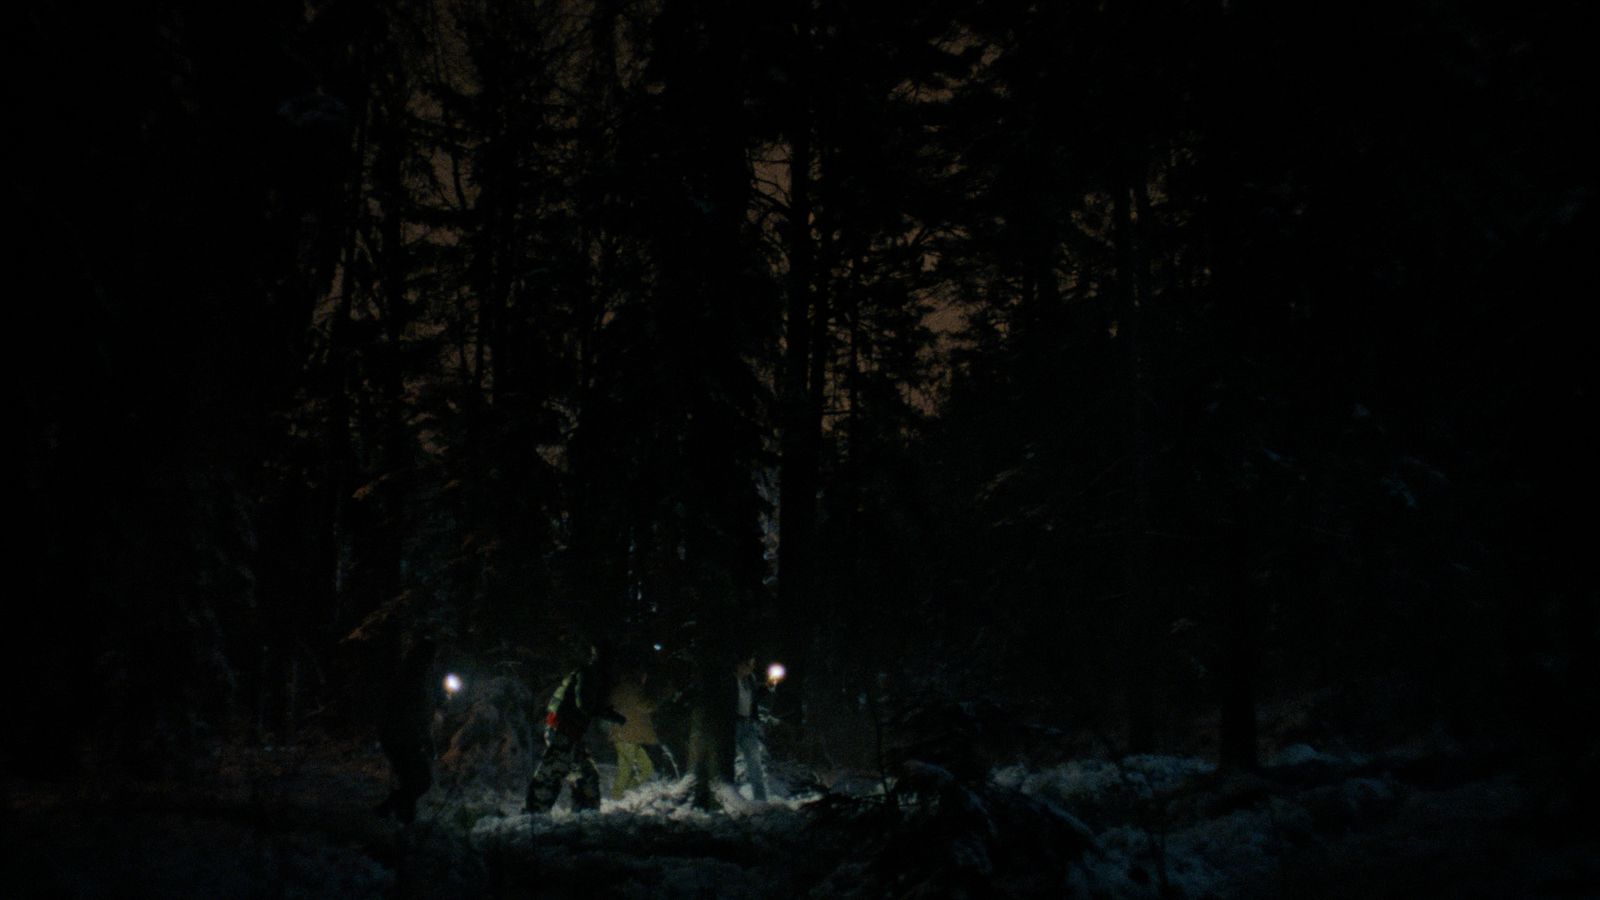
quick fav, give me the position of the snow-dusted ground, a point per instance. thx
(297, 823)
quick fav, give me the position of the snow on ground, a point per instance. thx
(1142, 775)
(652, 843)
(1166, 820)
(299, 824)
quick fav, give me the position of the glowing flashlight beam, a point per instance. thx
(775, 673)
(452, 684)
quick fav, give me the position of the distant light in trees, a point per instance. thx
(775, 673)
(452, 684)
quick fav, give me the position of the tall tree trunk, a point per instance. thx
(798, 474)
(1241, 656)
(711, 724)
(385, 562)
(342, 466)
(1139, 613)
(800, 400)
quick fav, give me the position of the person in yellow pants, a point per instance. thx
(633, 768)
(631, 737)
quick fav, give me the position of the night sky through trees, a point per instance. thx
(1194, 393)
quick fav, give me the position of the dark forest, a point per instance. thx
(1191, 393)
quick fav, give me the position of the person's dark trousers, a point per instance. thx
(563, 755)
(747, 735)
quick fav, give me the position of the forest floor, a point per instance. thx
(298, 822)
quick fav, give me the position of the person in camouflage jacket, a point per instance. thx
(575, 705)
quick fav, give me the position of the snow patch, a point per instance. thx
(1143, 775)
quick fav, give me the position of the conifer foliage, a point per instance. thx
(1136, 363)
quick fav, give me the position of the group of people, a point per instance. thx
(620, 705)
(595, 695)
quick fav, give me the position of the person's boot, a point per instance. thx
(586, 792)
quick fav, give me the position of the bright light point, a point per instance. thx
(452, 683)
(657, 646)
(775, 673)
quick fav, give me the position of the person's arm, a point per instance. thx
(598, 700)
(761, 701)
